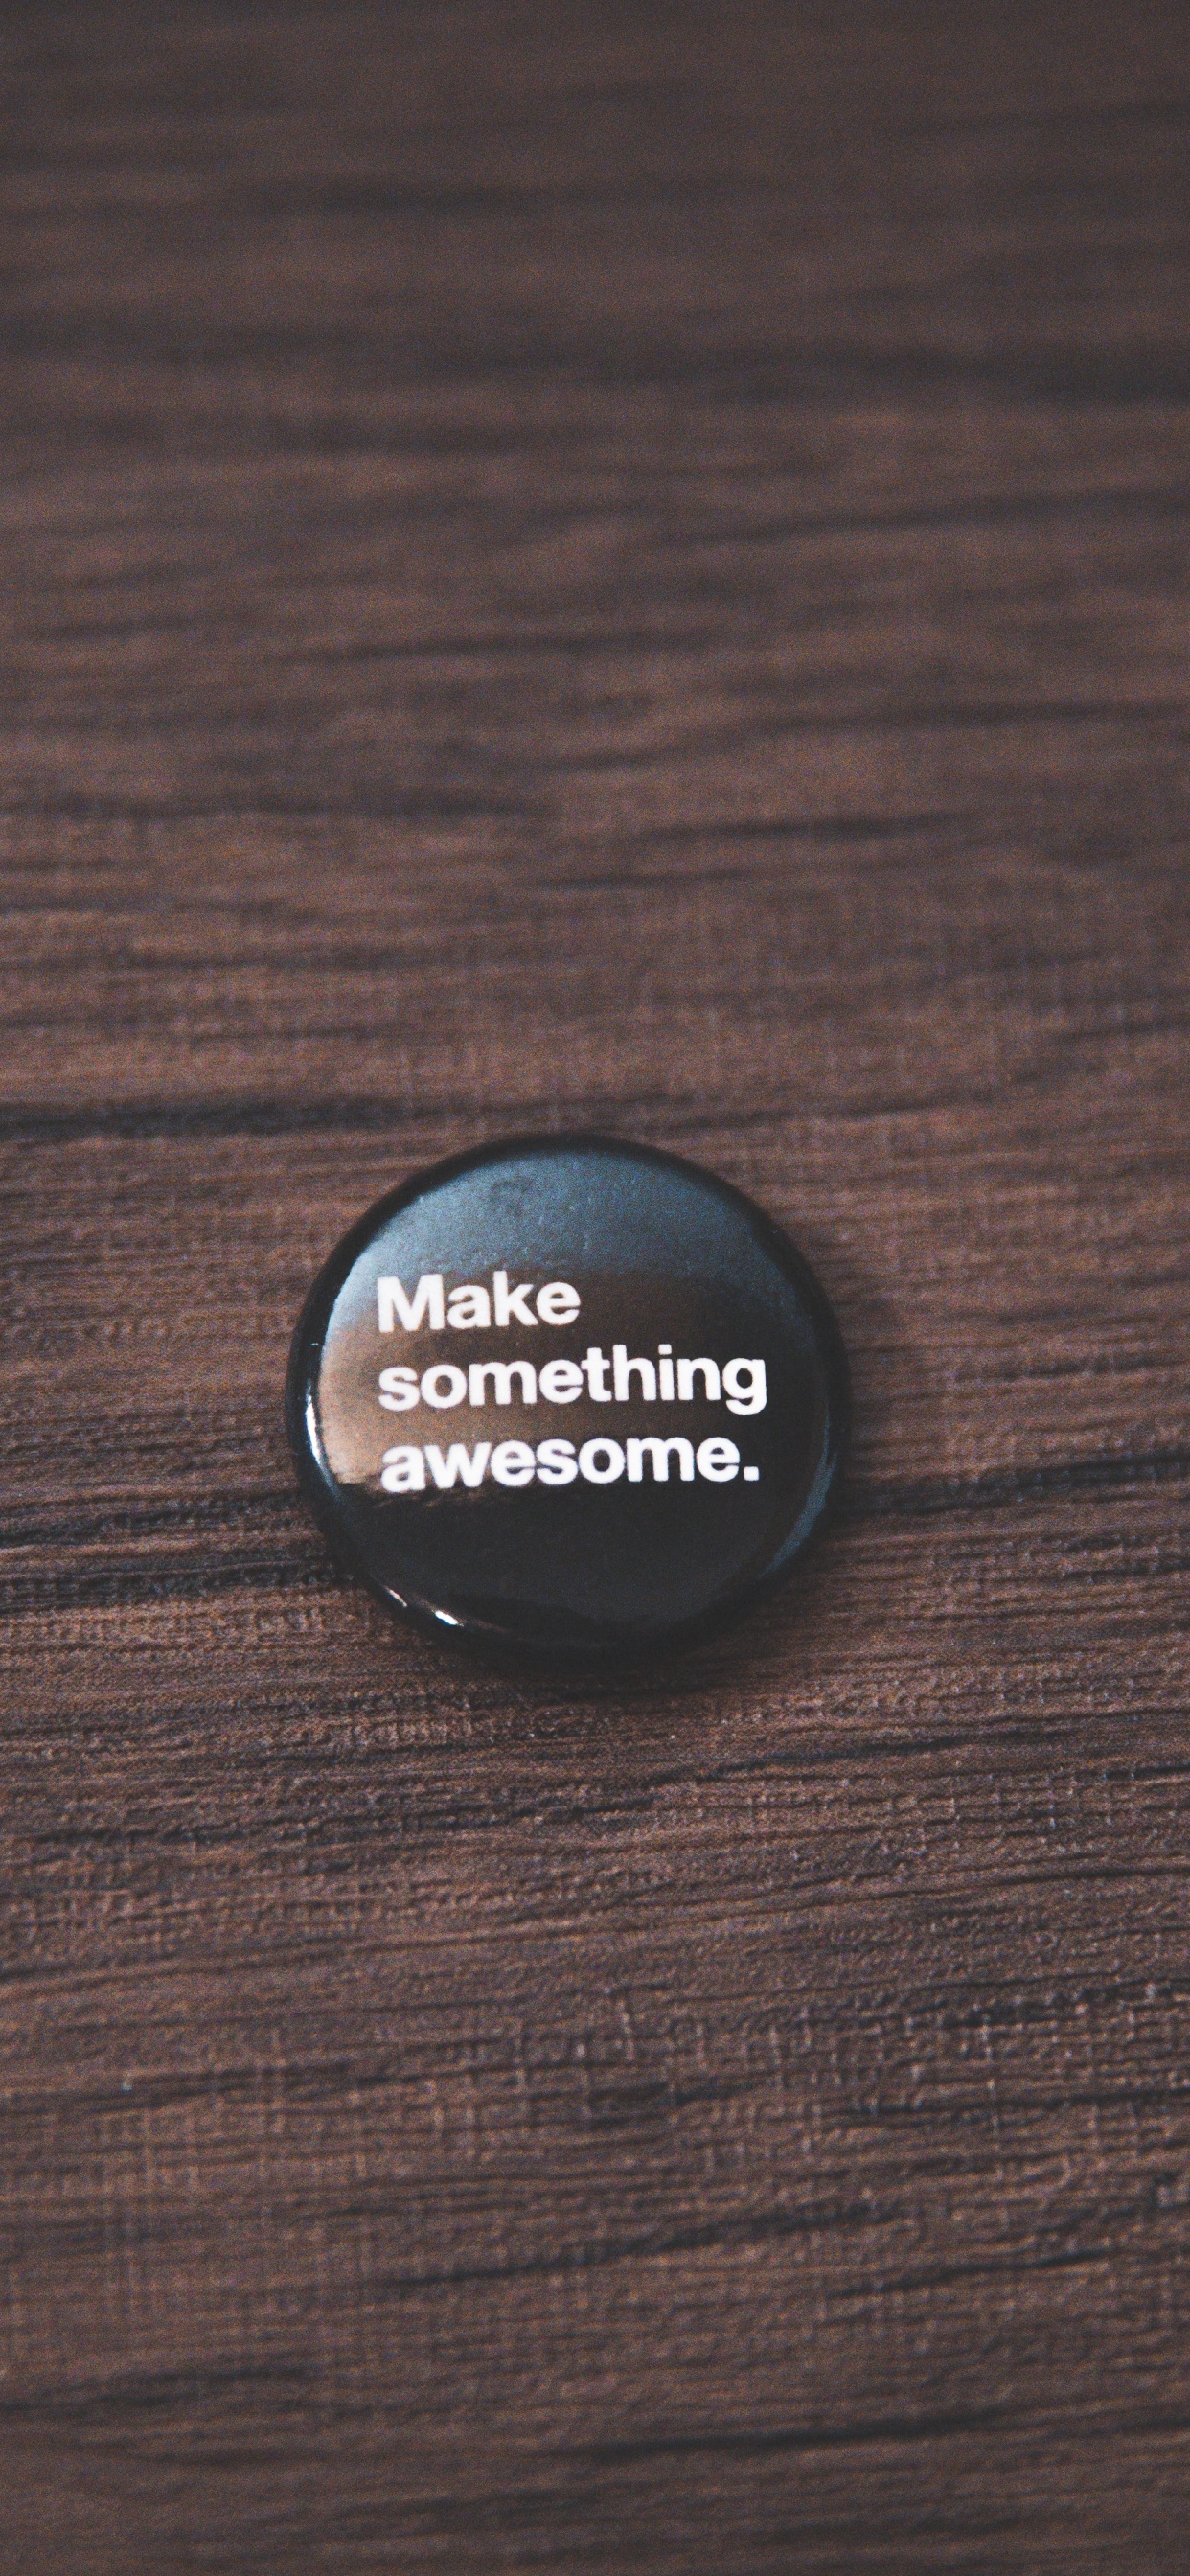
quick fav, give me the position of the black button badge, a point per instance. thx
(567, 1397)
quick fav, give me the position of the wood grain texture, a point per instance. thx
(628, 567)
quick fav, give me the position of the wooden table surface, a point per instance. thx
(625, 567)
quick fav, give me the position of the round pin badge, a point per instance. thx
(567, 1398)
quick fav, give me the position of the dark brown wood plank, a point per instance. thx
(617, 566)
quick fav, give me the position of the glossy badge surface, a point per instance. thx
(569, 1399)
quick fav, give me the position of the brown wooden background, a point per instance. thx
(617, 566)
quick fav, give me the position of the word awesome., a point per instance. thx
(554, 1462)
